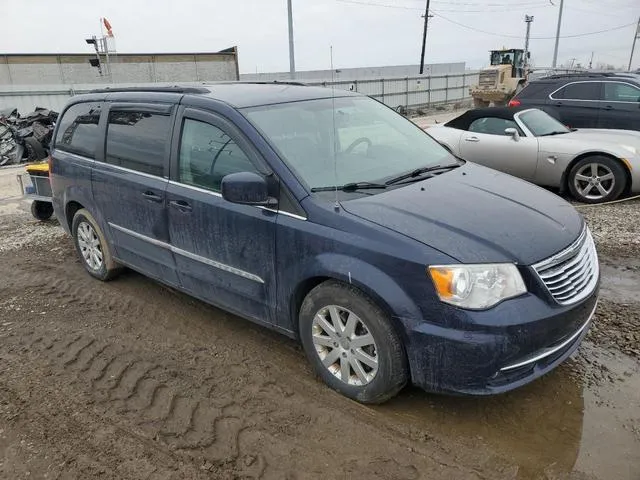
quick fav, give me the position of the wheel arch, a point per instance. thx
(564, 183)
(365, 277)
(70, 210)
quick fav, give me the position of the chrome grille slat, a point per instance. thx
(572, 274)
(570, 283)
(566, 267)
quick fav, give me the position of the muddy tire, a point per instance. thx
(351, 343)
(597, 179)
(35, 150)
(41, 210)
(92, 247)
(479, 103)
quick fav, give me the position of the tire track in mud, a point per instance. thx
(206, 403)
(155, 397)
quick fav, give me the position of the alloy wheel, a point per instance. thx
(90, 247)
(345, 345)
(594, 181)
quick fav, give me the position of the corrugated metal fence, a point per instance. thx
(408, 93)
(413, 92)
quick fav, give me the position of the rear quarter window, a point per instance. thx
(536, 90)
(137, 140)
(78, 129)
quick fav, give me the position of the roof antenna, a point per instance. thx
(336, 206)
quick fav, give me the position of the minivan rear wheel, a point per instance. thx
(351, 343)
(597, 179)
(92, 247)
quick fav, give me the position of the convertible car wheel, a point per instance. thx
(597, 179)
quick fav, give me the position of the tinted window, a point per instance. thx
(492, 126)
(621, 92)
(78, 129)
(207, 154)
(137, 140)
(580, 91)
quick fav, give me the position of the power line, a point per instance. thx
(464, 10)
(469, 27)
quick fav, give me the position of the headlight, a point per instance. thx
(629, 148)
(477, 286)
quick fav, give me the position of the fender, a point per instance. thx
(383, 289)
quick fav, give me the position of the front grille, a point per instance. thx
(488, 79)
(572, 274)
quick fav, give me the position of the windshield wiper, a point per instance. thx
(557, 132)
(351, 187)
(418, 172)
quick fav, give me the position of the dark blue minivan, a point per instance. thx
(329, 217)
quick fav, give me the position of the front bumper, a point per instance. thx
(501, 349)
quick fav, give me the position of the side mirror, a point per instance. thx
(246, 188)
(513, 133)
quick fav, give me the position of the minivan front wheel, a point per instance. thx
(597, 179)
(92, 247)
(351, 343)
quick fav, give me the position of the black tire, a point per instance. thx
(392, 371)
(108, 268)
(604, 166)
(41, 210)
(35, 150)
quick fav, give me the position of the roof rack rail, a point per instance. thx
(588, 74)
(159, 89)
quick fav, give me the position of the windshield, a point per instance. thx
(541, 123)
(372, 142)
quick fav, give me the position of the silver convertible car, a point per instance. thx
(594, 165)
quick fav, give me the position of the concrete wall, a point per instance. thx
(363, 73)
(125, 68)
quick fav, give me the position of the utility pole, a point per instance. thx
(292, 60)
(424, 36)
(555, 50)
(591, 61)
(528, 19)
(633, 47)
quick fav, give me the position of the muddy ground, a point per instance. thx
(132, 380)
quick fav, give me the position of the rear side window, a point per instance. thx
(207, 154)
(621, 92)
(535, 90)
(579, 91)
(78, 129)
(137, 140)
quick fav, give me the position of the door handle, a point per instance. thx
(558, 104)
(152, 197)
(608, 107)
(180, 205)
(472, 139)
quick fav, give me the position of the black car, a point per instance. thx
(589, 100)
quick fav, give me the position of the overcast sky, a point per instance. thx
(370, 33)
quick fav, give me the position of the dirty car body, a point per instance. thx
(390, 240)
(538, 148)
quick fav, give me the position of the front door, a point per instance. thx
(225, 253)
(620, 107)
(487, 143)
(129, 183)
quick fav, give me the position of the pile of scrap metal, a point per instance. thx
(25, 138)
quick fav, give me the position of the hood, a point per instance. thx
(616, 141)
(475, 214)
